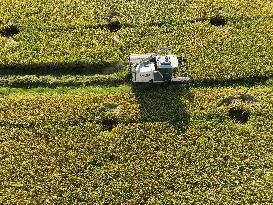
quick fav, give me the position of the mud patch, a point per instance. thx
(238, 114)
(11, 43)
(109, 17)
(109, 124)
(9, 30)
(248, 99)
(109, 107)
(113, 14)
(116, 38)
(114, 26)
(243, 98)
(108, 120)
(229, 100)
(156, 24)
(201, 18)
(218, 21)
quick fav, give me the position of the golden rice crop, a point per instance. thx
(54, 148)
(76, 31)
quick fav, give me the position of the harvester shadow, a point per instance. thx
(163, 103)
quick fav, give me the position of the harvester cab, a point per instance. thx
(156, 68)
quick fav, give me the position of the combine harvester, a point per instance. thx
(156, 68)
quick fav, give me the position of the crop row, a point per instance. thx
(78, 12)
(33, 81)
(141, 104)
(62, 149)
(242, 48)
(212, 53)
